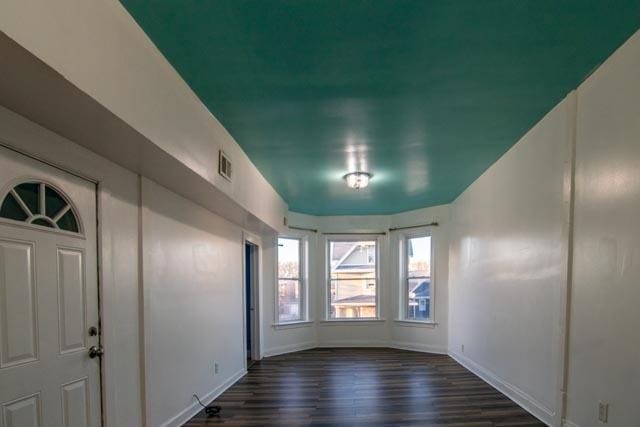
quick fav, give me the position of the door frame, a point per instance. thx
(97, 189)
(256, 262)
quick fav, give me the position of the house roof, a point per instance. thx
(340, 249)
(357, 300)
(349, 259)
(422, 290)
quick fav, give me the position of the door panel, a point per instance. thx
(18, 324)
(23, 412)
(48, 296)
(71, 300)
(75, 404)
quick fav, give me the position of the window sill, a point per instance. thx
(416, 323)
(292, 325)
(350, 322)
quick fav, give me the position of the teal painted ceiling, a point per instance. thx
(423, 94)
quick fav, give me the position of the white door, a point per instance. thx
(48, 296)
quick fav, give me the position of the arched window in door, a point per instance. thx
(40, 204)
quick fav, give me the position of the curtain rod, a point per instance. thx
(303, 228)
(348, 233)
(431, 224)
(381, 233)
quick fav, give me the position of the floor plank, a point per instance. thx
(363, 387)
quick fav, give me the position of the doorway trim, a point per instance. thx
(97, 189)
(120, 288)
(256, 330)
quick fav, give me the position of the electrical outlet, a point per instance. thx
(603, 412)
(216, 368)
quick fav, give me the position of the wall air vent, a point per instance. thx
(224, 165)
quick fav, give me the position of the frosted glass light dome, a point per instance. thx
(357, 180)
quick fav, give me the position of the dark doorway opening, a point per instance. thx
(251, 272)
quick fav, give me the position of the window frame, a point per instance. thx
(327, 279)
(302, 282)
(404, 278)
(10, 190)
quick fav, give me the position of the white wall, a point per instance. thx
(515, 266)
(193, 299)
(508, 266)
(605, 315)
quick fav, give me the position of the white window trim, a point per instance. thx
(327, 278)
(404, 273)
(293, 325)
(416, 323)
(361, 321)
(304, 279)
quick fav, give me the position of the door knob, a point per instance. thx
(96, 351)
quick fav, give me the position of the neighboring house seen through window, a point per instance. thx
(418, 284)
(352, 279)
(290, 287)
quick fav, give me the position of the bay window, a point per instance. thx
(352, 286)
(290, 298)
(418, 285)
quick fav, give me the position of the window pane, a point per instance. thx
(353, 299)
(68, 222)
(419, 298)
(355, 258)
(288, 258)
(29, 193)
(352, 279)
(53, 202)
(11, 209)
(419, 257)
(288, 300)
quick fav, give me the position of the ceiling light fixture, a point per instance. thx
(357, 180)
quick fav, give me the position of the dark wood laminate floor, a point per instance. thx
(363, 387)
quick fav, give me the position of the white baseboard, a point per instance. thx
(567, 423)
(423, 348)
(284, 349)
(189, 412)
(527, 402)
(353, 343)
(291, 348)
